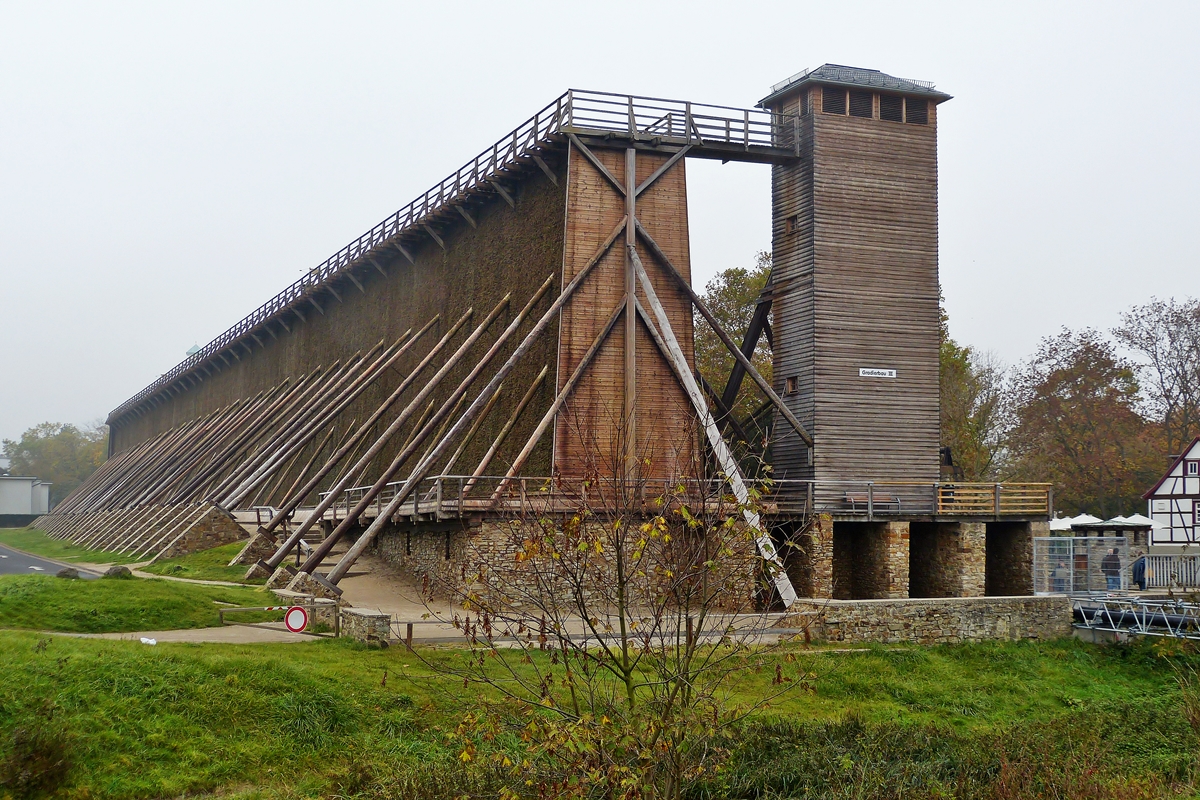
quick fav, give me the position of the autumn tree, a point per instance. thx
(614, 632)
(732, 296)
(1164, 337)
(1076, 423)
(63, 454)
(973, 419)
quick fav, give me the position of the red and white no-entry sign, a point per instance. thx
(296, 619)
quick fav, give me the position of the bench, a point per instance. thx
(880, 501)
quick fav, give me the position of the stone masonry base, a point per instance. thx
(932, 620)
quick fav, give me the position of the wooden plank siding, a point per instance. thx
(856, 271)
(588, 435)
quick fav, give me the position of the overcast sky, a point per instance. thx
(165, 168)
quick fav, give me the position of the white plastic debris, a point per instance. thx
(149, 641)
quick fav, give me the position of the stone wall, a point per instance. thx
(365, 625)
(213, 529)
(808, 555)
(870, 560)
(1009, 568)
(933, 620)
(947, 559)
(448, 560)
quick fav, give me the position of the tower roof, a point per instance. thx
(840, 75)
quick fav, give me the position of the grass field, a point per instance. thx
(39, 544)
(207, 565)
(109, 605)
(333, 718)
(113, 719)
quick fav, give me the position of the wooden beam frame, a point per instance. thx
(702, 307)
(725, 460)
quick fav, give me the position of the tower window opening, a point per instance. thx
(862, 104)
(791, 385)
(916, 111)
(833, 100)
(793, 223)
(891, 108)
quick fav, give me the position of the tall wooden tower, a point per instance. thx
(855, 285)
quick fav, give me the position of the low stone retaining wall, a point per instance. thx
(932, 621)
(366, 625)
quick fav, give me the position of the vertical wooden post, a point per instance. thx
(630, 421)
(691, 633)
(408, 631)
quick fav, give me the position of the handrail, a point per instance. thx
(455, 494)
(573, 111)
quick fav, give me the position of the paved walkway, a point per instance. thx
(265, 633)
(16, 562)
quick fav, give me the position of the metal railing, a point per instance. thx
(1138, 616)
(575, 111)
(1173, 572)
(449, 496)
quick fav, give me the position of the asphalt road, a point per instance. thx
(14, 562)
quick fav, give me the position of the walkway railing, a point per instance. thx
(449, 496)
(1173, 572)
(577, 111)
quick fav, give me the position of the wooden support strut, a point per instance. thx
(508, 426)
(297, 497)
(409, 485)
(721, 452)
(338, 403)
(334, 492)
(547, 418)
(422, 469)
(702, 307)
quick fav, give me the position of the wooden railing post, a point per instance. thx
(870, 501)
(996, 501)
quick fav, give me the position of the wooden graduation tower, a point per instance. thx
(528, 322)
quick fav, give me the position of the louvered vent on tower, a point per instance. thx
(916, 111)
(833, 100)
(861, 104)
(891, 108)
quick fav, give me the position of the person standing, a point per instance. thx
(1139, 573)
(1110, 565)
(1061, 577)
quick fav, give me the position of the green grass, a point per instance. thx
(108, 605)
(31, 540)
(207, 565)
(318, 719)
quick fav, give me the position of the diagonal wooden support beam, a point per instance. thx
(466, 216)
(595, 162)
(519, 462)
(702, 307)
(378, 268)
(355, 281)
(662, 170)
(726, 461)
(495, 184)
(546, 169)
(507, 429)
(758, 325)
(436, 238)
(404, 252)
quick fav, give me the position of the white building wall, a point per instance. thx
(40, 502)
(16, 495)
(1176, 502)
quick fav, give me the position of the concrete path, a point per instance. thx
(265, 633)
(15, 562)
